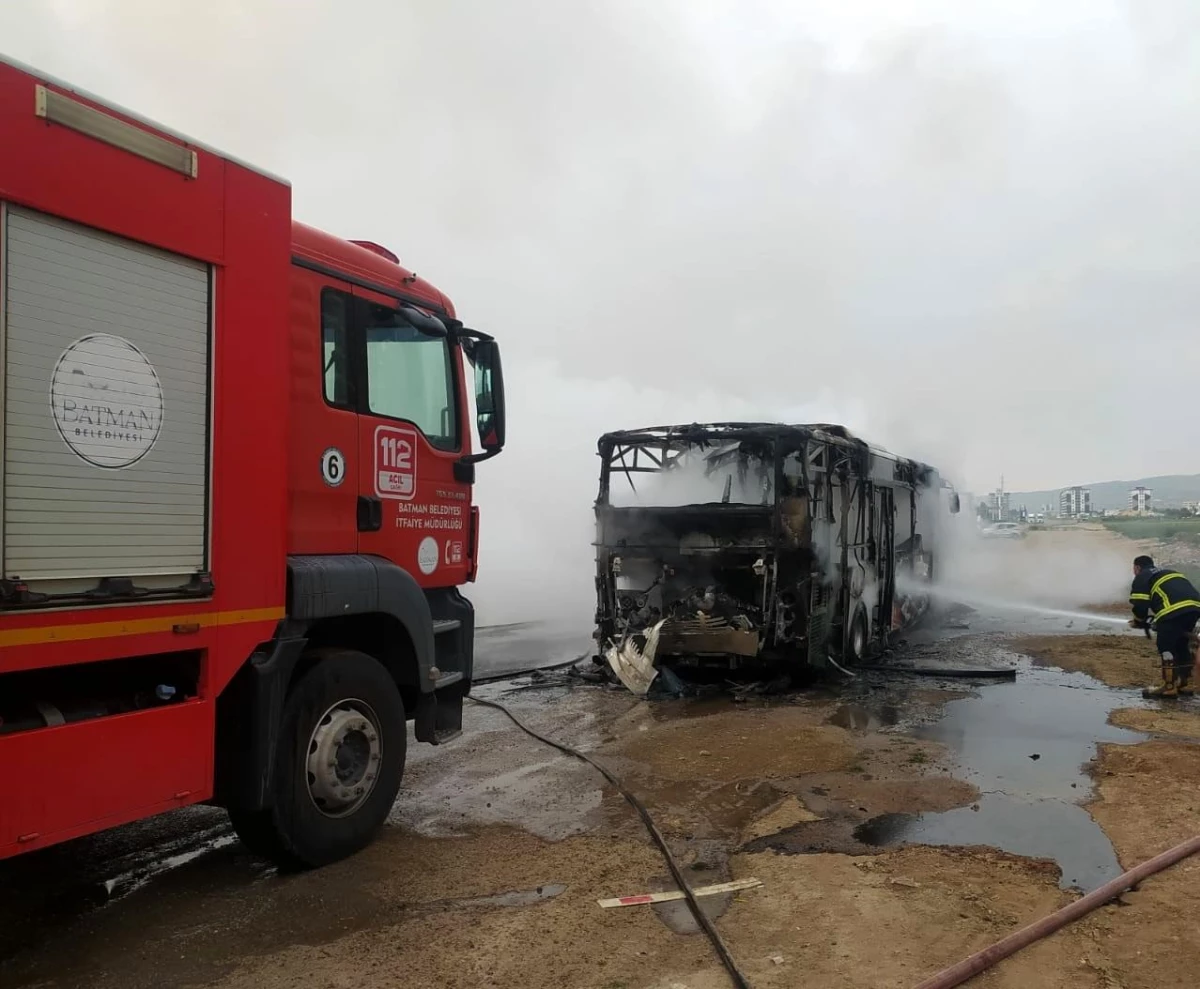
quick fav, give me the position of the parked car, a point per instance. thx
(1003, 530)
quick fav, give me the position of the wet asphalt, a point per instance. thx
(1024, 744)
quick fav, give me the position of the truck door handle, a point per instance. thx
(370, 514)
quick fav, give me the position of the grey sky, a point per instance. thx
(967, 230)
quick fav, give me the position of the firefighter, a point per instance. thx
(1165, 600)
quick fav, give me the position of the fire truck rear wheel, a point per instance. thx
(338, 765)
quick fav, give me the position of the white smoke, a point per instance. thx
(1064, 567)
(698, 476)
(677, 211)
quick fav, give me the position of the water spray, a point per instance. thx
(1005, 604)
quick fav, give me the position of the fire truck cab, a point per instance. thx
(235, 502)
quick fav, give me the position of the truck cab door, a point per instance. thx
(323, 431)
(411, 431)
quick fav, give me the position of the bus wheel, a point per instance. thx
(856, 649)
(338, 764)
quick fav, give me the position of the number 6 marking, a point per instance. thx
(333, 467)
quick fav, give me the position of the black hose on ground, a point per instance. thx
(706, 925)
(513, 674)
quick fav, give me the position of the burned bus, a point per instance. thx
(735, 544)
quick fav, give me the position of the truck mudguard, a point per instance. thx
(319, 587)
(339, 586)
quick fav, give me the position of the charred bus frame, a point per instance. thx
(821, 556)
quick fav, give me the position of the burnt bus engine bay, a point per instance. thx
(736, 544)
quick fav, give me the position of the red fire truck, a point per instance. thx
(235, 506)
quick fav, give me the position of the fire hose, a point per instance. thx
(968, 968)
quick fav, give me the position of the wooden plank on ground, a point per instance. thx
(675, 894)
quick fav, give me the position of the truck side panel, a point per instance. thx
(61, 171)
(100, 773)
(239, 222)
(108, 479)
(117, 767)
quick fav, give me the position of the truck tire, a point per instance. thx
(257, 833)
(338, 765)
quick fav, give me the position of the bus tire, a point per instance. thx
(858, 643)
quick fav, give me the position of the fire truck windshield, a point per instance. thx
(410, 376)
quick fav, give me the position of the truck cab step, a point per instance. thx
(443, 625)
(447, 679)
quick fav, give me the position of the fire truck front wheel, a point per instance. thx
(338, 765)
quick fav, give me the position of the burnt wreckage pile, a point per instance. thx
(729, 544)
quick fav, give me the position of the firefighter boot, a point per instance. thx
(1187, 686)
(1183, 680)
(1167, 688)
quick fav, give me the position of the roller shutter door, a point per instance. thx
(106, 383)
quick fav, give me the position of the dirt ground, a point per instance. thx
(732, 787)
(1182, 723)
(1119, 660)
(805, 924)
(466, 911)
(1148, 800)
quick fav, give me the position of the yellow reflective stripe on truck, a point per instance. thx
(83, 632)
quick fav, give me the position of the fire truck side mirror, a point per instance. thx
(955, 505)
(489, 395)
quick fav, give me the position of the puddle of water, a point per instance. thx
(1024, 745)
(835, 833)
(859, 717)
(676, 915)
(1048, 829)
